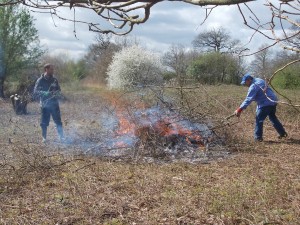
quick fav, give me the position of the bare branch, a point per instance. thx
(121, 15)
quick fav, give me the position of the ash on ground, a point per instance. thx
(171, 153)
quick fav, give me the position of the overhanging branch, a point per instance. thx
(121, 15)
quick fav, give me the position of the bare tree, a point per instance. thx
(95, 50)
(294, 41)
(283, 57)
(98, 72)
(178, 59)
(217, 40)
(100, 54)
(262, 63)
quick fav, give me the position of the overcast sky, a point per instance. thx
(169, 23)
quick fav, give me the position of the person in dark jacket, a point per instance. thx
(47, 89)
(266, 101)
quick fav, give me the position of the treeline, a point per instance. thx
(215, 57)
(180, 64)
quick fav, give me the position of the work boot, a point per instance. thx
(281, 136)
(60, 132)
(62, 139)
(44, 134)
(258, 139)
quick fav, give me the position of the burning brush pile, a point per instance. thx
(157, 134)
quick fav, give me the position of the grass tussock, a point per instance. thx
(56, 184)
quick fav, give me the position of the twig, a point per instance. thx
(68, 161)
(90, 164)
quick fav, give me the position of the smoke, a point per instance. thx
(145, 133)
(163, 120)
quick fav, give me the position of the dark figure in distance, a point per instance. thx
(19, 104)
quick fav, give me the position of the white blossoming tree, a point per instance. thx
(134, 66)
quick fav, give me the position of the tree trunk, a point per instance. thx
(2, 87)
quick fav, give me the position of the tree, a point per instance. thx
(134, 66)
(177, 59)
(66, 68)
(102, 42)
(19, 43)
(79, 70)
(217, 40)
(294, 41)
(289, 77)
(99, 56)
(262, 63)
(214, 67)
(283, 57)
(2, 70)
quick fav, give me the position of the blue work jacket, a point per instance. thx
(50, 85)
(257, 93)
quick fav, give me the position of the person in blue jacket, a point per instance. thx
(47, 89)
(266, 101)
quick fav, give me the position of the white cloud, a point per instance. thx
(58, 36)
(169, 23)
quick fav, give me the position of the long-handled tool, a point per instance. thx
(224, 122)
(228, 117)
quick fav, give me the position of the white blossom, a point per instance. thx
(134, 66)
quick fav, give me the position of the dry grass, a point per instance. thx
(55, 184)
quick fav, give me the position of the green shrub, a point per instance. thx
(169, 75)
(215, 67)
(288, 78)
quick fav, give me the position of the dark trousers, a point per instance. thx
(46, 113)
(261, 115)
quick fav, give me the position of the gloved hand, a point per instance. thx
(238, 112)
(45, 93)
(56, 94)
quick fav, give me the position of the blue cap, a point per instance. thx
(246, 77)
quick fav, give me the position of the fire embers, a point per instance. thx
(19, 104)
(168, 134)
(158, 132)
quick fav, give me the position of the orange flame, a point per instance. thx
(125, 126)
(167, 129)
(163, 127)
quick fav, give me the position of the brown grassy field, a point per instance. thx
(55, 183)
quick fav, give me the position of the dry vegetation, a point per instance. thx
(56, 184)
